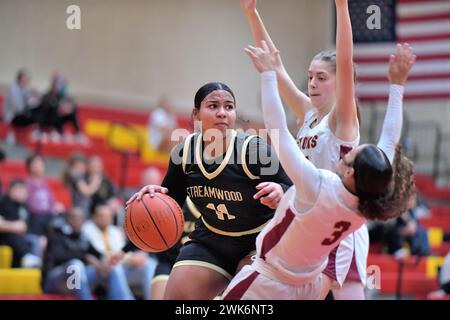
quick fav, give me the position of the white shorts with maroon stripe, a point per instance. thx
(348, 261)
(249, 284)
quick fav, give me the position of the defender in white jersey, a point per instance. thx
(323, 207)
(348, 260)
(329, 131)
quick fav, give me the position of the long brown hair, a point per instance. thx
(394, 201)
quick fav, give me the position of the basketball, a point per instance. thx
(154, 224)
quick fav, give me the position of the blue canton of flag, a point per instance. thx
(359, 15)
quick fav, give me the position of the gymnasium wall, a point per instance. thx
(130, 52)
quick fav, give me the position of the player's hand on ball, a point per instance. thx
(150, 189)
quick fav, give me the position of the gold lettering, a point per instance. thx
(206, 192)
(212, 192)
(196, 191)
(219, 194)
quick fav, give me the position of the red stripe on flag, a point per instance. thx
(408, 96)
(441, 36)
(433, 17)
(385, 58)
(419, 77)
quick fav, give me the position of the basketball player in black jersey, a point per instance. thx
(232, 181)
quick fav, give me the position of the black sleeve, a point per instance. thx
(263, 162)
(175, 179)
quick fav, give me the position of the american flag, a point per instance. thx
(424, 24)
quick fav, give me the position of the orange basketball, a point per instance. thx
(154, 224)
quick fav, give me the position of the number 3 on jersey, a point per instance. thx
(340, 227)
(221, 211)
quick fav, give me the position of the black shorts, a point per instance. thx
(218, 252)
(164, 267)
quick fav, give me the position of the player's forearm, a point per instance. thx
(393, 122)
(298, 168)
(345, 88)
(295, 99)
(259, 30)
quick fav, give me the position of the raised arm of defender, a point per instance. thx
(399, 66)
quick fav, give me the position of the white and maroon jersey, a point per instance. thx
(320, 145)
(324, 150)
(294, 247)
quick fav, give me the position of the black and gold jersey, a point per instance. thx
(220, 191)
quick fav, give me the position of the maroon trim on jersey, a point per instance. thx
(353, 273)
(273, 236)
(241, 287)
(330, 269)
(343, 150)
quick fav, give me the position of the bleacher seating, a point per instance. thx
(418, 279)
(15, 281)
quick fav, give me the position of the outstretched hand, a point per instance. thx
(400, 64)
(263, 58)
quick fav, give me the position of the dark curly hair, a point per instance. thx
(394, 201)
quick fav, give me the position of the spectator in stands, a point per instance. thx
(107, 238)
(2, 159)
(406, 228)
(40, 203)
(68, 252)
(21, 104)
(67, 247)
(152, 175)
(135, 268)
(58, 109)
(13, 227)
(81, 188)
(162, 121)
(106, 192)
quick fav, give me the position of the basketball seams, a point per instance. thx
(159, 220)
(154, 223)
(173, 214)
(134, 230)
